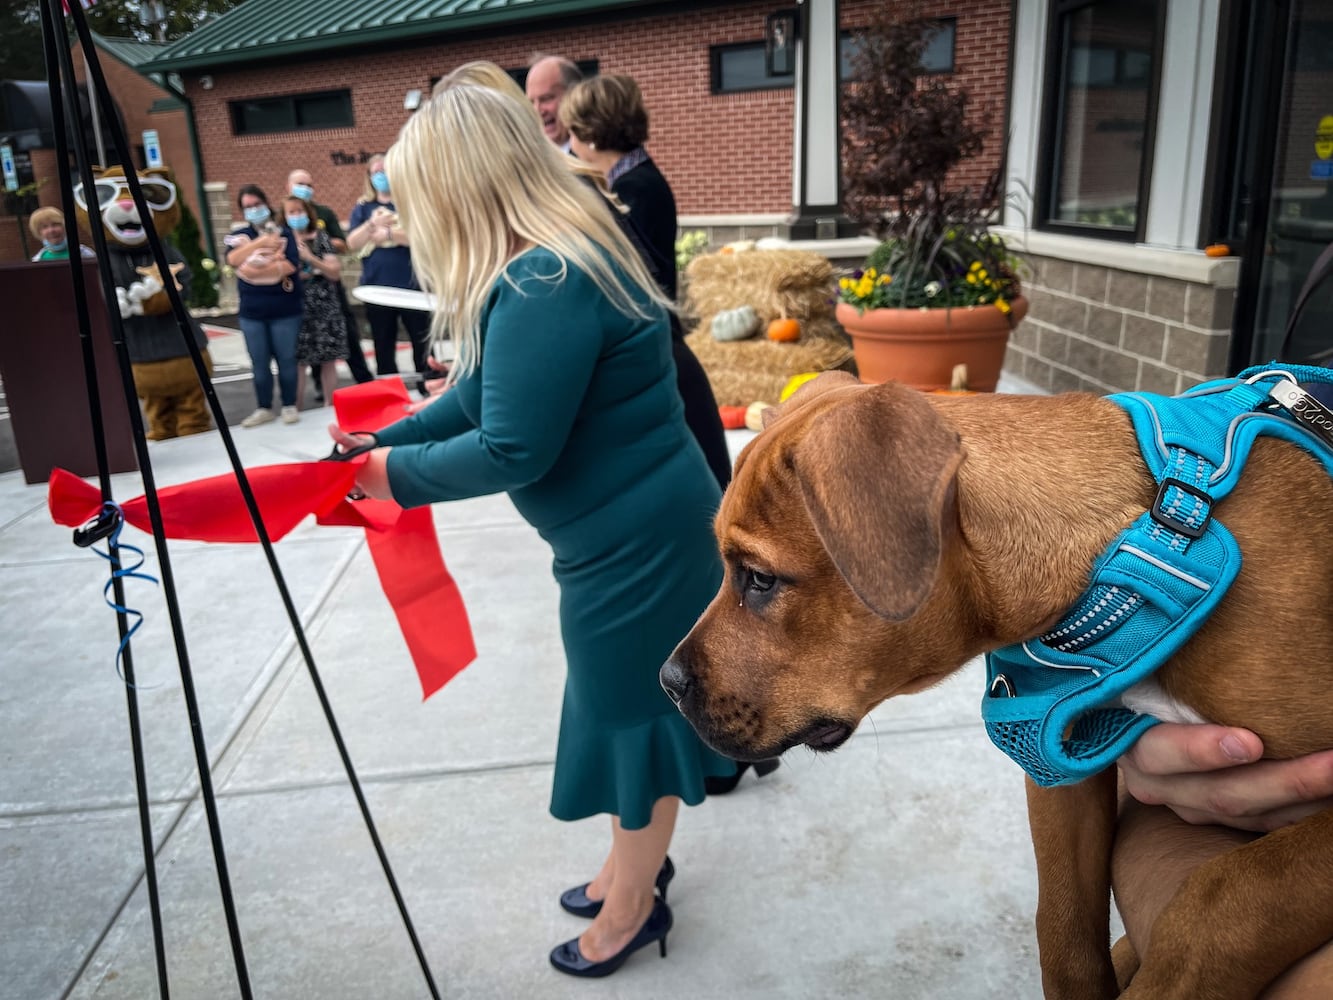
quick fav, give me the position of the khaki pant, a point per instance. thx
(174, 404)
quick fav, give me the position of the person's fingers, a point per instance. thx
(1178, 748)
(345, 440)
(1262, 797)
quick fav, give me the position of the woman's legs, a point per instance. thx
(384, 332)
(259, 345)
(328, 377)
(284, 332)
(628, 878)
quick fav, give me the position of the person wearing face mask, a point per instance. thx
(48, 225)
(386, 260)
(264, 254)
(300, 185)
(322, 341)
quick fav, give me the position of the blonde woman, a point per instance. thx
(564, 396)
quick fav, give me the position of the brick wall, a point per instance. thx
(1102, 329)
(724, 154)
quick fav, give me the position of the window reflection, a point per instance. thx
(1102, 101)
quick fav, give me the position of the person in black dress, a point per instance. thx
(608, 125)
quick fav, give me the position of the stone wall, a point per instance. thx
(1099, 328)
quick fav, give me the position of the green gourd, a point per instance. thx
(735, 324)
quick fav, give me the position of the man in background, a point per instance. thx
(300, 185)
(548, 79)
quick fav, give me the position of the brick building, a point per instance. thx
(325, 87)
(146, 101)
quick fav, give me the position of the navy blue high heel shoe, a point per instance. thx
(721, 786)
(576, 900)
(569, 960)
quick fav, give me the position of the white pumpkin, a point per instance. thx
(735, 324)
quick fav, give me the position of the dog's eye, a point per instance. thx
(759, 582)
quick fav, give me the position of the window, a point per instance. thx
(292, 113)
(1103, 59)
(742, 67)
(938, 56)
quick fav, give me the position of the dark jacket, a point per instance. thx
(153, 338)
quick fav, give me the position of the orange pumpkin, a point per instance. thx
(733, 417)
(784, 330)
(1217, 250)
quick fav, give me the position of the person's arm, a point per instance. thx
(237, 255)
(529, 332)
(325, 263)
(364, 230)
(1209, 774)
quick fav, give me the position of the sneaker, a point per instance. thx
(260, 416)
(289, 415)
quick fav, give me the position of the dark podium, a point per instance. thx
(41, 364)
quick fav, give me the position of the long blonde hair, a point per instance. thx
(476, 182)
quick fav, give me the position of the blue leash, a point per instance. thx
(107, 525)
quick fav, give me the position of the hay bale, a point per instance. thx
(747, 371)
(778, 283)
(795, 284)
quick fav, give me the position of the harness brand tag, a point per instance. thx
(1305, 409)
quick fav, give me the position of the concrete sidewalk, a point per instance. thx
(898, 867)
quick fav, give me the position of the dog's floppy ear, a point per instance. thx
(875, 471)
(807, 391)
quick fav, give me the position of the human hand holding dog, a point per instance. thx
(1208, 774)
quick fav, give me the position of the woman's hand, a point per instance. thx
(1214, 774)
(372, 479)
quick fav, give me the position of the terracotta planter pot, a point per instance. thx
(919, 347)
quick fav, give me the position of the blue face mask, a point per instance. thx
(256, 213)
(379, 180)
(303, 191)
(56, 247)
(298, 221)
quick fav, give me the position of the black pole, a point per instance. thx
(62, 99)
(101, 92)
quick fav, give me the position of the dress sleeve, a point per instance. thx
(542, 336)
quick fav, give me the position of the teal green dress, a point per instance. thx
(574, 412)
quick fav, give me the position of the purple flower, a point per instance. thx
(857, 274)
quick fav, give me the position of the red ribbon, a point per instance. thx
(402, 543)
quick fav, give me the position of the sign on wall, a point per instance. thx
(152, 149)
(10, 170)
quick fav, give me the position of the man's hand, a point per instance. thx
(1214, 774)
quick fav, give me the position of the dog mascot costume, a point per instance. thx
(164, 376)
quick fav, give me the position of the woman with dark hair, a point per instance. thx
(608, 125)
(323, 340)
(263, 252)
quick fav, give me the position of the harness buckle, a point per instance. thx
(1174, 523)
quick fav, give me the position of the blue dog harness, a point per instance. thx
(1052, 701)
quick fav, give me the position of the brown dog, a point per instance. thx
(876, 539)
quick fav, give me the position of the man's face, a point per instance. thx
(545, 90)
(299, 177)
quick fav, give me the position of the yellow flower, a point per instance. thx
(976, 266)
(971, 277)
(884, 279)
(845, 283)
(1003, 306)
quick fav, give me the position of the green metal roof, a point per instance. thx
(132, 53)
(258, 29)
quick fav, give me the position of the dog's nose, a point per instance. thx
(675, 682)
